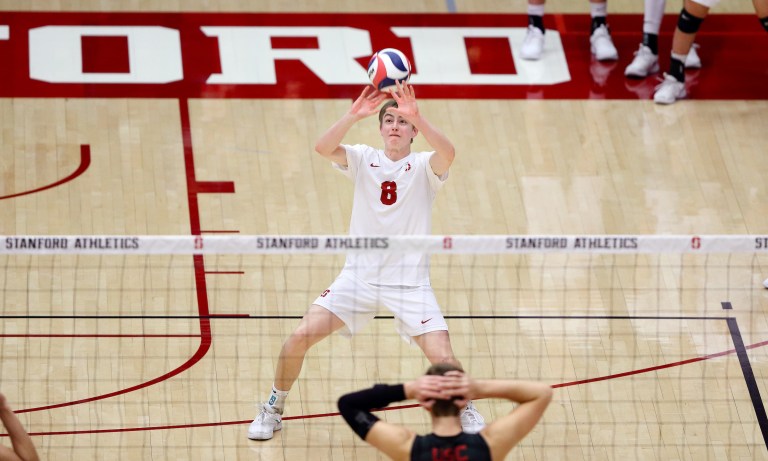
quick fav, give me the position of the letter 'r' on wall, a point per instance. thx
(247, 55)
(56, 55)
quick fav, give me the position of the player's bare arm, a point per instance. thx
(504, 433)
(329, 143)
(392, 440)
(409, 110)
(23, 448)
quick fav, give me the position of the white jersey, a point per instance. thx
(390, 198)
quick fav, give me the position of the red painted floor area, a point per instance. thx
(734, 52)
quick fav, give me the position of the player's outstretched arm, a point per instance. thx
(409, 110)
(329, 143)
(23, 448)
(506, 432)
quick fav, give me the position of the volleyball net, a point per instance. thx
(656, 344)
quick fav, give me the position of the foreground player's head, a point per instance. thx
(384, 107)
(387, 119)
(444, 407)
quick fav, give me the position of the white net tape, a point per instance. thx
(331, 244)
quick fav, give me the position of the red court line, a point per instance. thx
(187, 426)
(644, 370)
(199, 269)
(85, 162)
(205, 344)
(398, 407)
(193, 189)
(658, 367)
(215, 187)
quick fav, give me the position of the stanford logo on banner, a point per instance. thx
(299, 56)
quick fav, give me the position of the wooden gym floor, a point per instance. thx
(108, 357)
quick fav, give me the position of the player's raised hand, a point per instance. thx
(427, 387)
(459, 386)
(368, 102)
(405, 96)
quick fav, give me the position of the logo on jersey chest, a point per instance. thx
(405, 168)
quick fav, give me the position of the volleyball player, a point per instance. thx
(23, 448)
(601, 44)
(393, 193)
(442, 391)
(672, 88)
(646, 60)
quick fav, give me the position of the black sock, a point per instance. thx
(764, 22)
(597, 21)
(536, 21)
(677, 69)
(651, 41)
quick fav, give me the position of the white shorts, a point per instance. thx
(707, 3)
(356, 302)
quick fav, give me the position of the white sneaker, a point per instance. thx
(265, 424)
(693, 61)
(765, 283)
(644, 63)
(472, 421)
(602, 45)
(533, 44)
(669, 91)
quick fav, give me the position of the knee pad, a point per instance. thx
(688, 23)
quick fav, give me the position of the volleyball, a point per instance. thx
(387, 66)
